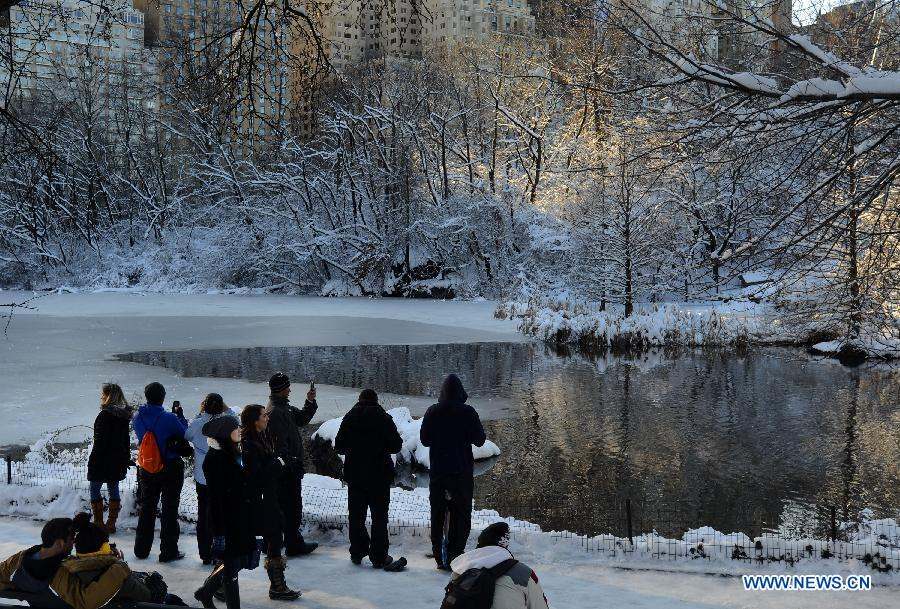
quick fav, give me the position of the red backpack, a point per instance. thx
(149, 457)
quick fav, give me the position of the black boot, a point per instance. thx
(205, 593)
(232, 592)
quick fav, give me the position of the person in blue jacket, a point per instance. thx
(168, 429)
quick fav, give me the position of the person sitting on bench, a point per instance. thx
(37, 570)
(95, 556)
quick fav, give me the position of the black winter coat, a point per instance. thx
(263, 470)
(230, 502)
(368, 437)
(449, 429)
(285, 422)
(111, 454)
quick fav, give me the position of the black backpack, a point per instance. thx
(474, 589)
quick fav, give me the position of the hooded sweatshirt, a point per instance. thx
(164, 425)
(449, 429)
(518, 588)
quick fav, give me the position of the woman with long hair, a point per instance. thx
(211, 407)
(110, 453)
(231, 517)
(263, 469)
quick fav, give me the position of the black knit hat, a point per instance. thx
(220, 428)
(494, 535)
(279, 381)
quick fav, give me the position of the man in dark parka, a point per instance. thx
(368, 437)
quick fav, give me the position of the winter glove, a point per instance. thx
(218, 548)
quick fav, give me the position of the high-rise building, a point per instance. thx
(88, 57)
(209, 54)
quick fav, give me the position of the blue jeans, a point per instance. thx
(112, 488)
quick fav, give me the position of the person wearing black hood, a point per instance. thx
(232, 522)
(285, 422)
(449, 429)
(368, 437)
(110, 453)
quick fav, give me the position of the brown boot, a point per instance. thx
(114, 508)
(97, 511)
(278, 588)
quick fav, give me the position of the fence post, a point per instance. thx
(833, 523)
(8, 469)
(628, 520)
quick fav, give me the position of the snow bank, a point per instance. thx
(658, 325)
(413, 452)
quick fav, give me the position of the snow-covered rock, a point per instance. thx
(413, 452)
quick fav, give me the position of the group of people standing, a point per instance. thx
(248, 471)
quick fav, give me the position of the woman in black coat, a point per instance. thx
(231, 517)
(110, 454)
(264, 469)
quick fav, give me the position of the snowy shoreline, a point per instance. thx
(736, 324)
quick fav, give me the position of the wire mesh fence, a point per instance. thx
(641, 531)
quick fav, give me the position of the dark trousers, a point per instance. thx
(290, 500)
(451, 499)
(360, 499)
(204, 533)
(167, 485)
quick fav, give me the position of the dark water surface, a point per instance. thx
(747, 443)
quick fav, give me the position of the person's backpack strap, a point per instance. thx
(498, 571)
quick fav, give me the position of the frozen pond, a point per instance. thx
(751, 443)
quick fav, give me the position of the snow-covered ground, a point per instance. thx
(328, 580)
(56, 356)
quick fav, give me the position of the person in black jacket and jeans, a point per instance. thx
(449, 429)
(368, 437)
(285, 422)
(110, 454)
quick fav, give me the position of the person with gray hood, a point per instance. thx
(212, 406)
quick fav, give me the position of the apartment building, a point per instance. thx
(204, 44)
(65, 52)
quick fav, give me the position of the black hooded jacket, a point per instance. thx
(449, 429)
(368, 437)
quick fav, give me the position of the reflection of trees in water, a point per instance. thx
(702, 440)
(704, 437)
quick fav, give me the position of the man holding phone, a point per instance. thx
(285, 422)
